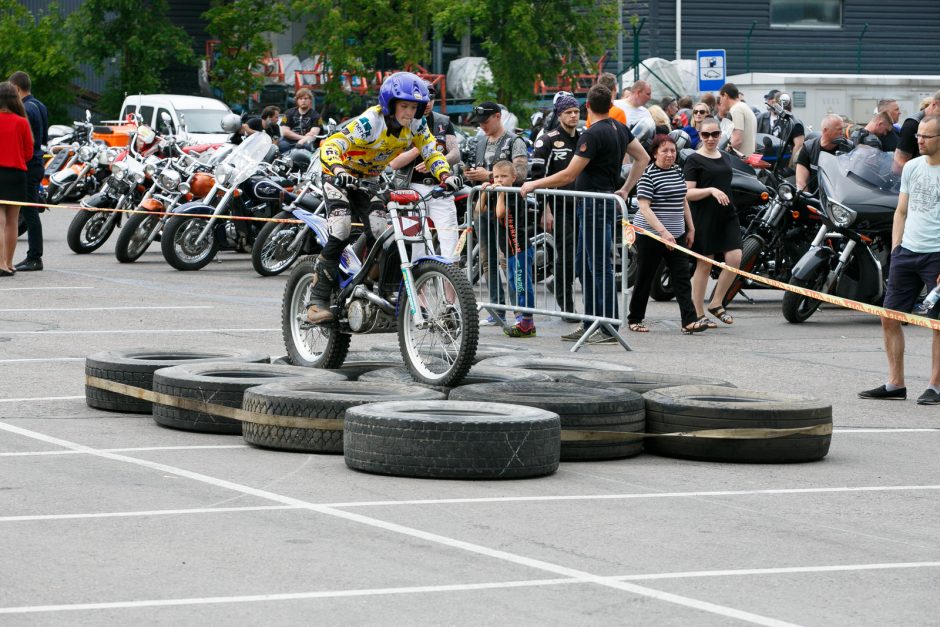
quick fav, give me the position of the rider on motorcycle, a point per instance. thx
(359, 152)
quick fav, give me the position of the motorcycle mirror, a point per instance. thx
(87, 115)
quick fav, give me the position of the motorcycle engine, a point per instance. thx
(364, 317)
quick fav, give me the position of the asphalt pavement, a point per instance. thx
(108, 519)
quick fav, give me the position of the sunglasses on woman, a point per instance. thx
(710, 134)
(700, 112)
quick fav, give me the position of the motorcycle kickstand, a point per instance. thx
(747, 299)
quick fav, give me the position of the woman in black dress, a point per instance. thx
(717, 230)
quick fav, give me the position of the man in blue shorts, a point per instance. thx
(915, 261)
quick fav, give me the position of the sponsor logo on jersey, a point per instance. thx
(538, 144)
(559, 144)
(583, 147)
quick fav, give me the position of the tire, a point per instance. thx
(798, 308)
(55, 193)
(750, 256)
(555, 367)
(698, 407)
(485, 350)
(306, 344)
(88, 230)
(269, 253)
(178, 243)
(451, 440)
(221, 383)
(135, 366)
(443, 353)
(580, 408)
(327, 400)
(477, 374)
(357, 364)
(133, 239)
(661, 290)
(639, 382)
(398, 374)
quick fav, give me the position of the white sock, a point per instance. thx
(891, 388)
(935, 388)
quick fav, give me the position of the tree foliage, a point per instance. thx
(525, 39)
(239, 26)
(36, 47)
(358, 36)
(135, 38)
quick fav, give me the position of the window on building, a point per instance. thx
(806, 13)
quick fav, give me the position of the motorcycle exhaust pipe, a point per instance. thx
(361, 292)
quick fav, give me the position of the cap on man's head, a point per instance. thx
(770, 95)
(482, 111)
(564, 103)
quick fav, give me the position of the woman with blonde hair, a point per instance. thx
(16, 148)
(660, 119)
(700, 111)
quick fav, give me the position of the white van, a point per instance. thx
(196, 118)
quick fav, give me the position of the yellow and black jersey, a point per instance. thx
(364, 145)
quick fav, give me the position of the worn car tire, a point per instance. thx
(222, 383)
(640, 382)
(698, 407)
(555, 367)
(135, 366)
(477, 374)
(485, 350)
(451, 440)
(580, 408)
(326, 400)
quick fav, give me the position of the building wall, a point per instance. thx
(902, 38)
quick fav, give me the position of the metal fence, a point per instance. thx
(530, 256)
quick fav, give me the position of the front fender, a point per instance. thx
(316, 223)
(812, 260)
(101, 200)
(194, 207)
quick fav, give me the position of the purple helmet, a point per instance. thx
(402, 86)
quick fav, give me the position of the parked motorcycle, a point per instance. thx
(191, 243)
(850, 255)
(429, 302)
(77, 168)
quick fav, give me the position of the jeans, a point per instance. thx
(520, 275)
(34, 174)
(595, 241)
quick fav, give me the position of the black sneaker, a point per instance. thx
(929, 397)
(882, 393)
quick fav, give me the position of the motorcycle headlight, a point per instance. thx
(840, 214)
(138, 177)
(150, 169)
(86, 154)
(184, 188)
(786, 192)
(225, 174)
(169, 179)
(118, 170)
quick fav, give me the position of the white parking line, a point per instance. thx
(106, 308)
(156, 512)
(23, 289)
(496, 585)
(126, 450)
(137, 331)
(505, 556)
(40, 398)
(39, 359)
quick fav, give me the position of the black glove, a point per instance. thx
(345, 180)
(451, 183)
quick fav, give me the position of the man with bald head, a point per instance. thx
(634, 103)
(832, 141)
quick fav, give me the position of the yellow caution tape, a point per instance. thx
(874, 310)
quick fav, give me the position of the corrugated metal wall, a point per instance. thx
(902, 38)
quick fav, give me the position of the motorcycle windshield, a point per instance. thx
(865, 165)
(247, 155)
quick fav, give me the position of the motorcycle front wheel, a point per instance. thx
(134, 237)
(55, 193)
(440, 349)
(89, 230)
(179, 245)
(308, 345)
(271, 253)
(750, 255)
(798, 308)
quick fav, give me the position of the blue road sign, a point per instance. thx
(711, 66)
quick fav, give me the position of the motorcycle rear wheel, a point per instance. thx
(441, 350)
(88, 230)
(270, 254)
(308, 345)
(134, 237)
(798, 308)
(178, 243)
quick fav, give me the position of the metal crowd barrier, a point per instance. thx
(573, 271)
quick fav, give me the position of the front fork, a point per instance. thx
(218, 209)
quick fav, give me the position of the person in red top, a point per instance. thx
(16, 148)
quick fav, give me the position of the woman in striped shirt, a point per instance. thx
(664, 211)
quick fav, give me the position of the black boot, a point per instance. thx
(324, 282)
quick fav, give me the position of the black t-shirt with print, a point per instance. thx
(300, 123)
(605, 144)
